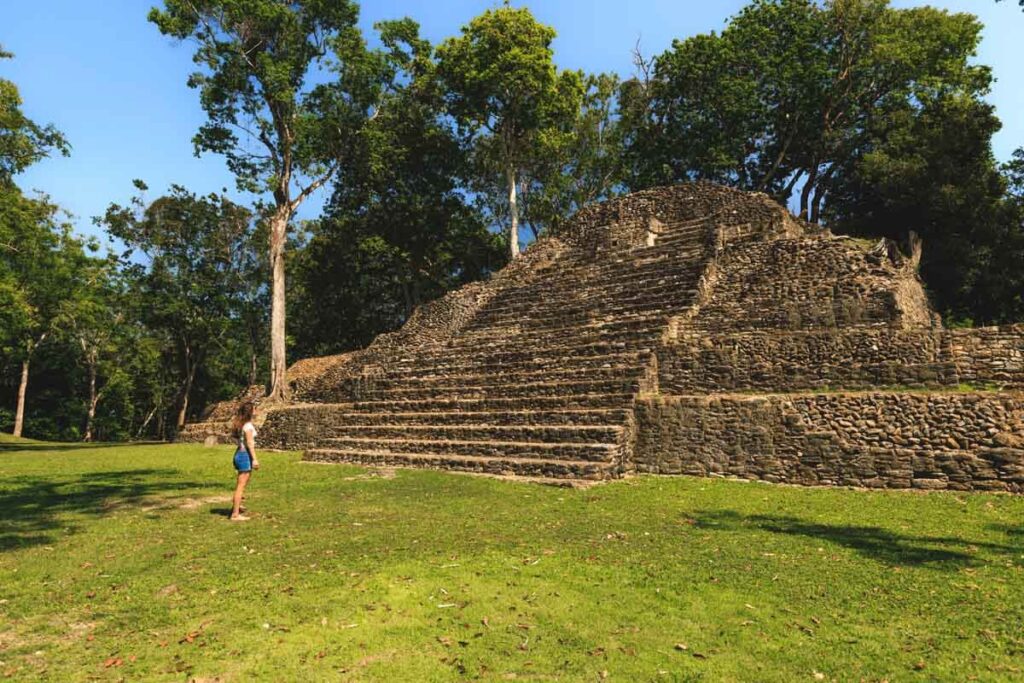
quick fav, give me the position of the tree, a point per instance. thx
(576, 162)
(260, 60)
(22, 141)
(931, 171)
(31, 239)
(503, 89)
(197, 276)
(36, 256)
(788, 91)
(398, 230)
(93, 319)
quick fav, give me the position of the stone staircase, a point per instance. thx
(690, 329)
(542, 380)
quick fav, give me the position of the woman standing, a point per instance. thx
(244, 431)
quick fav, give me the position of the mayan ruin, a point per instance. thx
(692, 330)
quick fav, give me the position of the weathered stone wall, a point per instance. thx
(215, 425)
(857, 358)
(853, 358)
(809, 283)
(989, 354)
(962, 441)
(623, 223)
(298, 426)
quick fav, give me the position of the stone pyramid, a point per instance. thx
(688, 329)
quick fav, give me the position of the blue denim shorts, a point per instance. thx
(243, 461)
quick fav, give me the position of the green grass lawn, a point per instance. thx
(119, 563)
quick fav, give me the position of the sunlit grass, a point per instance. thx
(119, 562)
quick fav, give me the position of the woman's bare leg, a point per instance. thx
(236, 503)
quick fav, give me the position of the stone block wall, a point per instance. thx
(800, 284)
(989, 354)
(960, 441)
(858, 358)
(623, 223)
(300, 426)
(852, 358)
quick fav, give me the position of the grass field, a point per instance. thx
(118, 563)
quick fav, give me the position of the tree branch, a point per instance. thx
(313, 187)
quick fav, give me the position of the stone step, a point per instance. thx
(634, 272)
(521, 467)
(589, 291)
(498, 389)
(669, 300)
(569, 318)
(584, 351)
(681, 239)
(638, 324)
(556, 341)
(541, 313)
(552, 433)
(667, 258)
(592, 285)
(592, 314)
(624, 269)
(414, 367)
(495, 375)
(541, 450)
(512, 403)
(598, 417)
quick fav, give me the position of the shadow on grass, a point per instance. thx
(32, 509)
(883, 545)
(1015, 532)
(38, 446)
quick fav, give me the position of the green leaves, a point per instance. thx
(258, 60)
(398, 230)
(788, 90)
(504, 91)
(23, 142)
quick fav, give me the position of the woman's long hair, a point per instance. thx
(242, 415)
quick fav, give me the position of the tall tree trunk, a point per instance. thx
(417, 292)
(816, 204)
(190, 375)
(278, 353)
(93, 400)
(19, 413)
(763, 185)
(805, 194)
(253, 367)
(819, 195)
(513, 209)
(788, 190)
(145, 422)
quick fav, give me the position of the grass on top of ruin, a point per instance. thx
(118, 563)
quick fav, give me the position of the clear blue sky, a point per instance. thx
(116, 87)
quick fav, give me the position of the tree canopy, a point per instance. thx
(282, 130)
(505, 92)
(869, 119)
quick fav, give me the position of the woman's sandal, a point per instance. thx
(238, 518)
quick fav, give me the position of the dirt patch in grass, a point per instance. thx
(376, 473)
(152, 504)
(10, 641)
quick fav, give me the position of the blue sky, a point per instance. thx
(116, 87)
